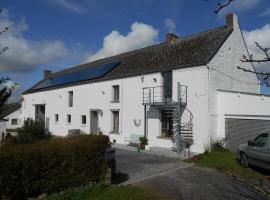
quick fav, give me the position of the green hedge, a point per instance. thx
(51, 166)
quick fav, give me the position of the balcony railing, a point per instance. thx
(155, 96)
(159, 95)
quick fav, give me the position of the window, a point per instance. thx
(166, 124)
(115, 93)
(68, 119)
(56, 117)
(70, 98)
(115, 121)
(261, 140)
(14, 121)
(83, 119)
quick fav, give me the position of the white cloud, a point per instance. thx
(239, 6)
(170, 24)
(266, 12)
(141, 35)
(69, 5)
(25, 55)
(260, 35)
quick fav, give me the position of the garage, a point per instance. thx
(242, 116)
(239, 131)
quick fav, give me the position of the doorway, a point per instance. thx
(40, 114)
(94, 122)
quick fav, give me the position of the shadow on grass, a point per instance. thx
(120, 178)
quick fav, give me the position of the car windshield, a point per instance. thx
(261, 140)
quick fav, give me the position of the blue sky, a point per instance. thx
(55, 34)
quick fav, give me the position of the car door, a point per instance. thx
(259, 153)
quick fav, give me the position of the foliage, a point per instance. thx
(49, 166)
(108, 193)
(143, 140)
(30, 132)
(225, 161)
(218, 145)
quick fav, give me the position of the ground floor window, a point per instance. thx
(166, 124)
(14, 121)
(115, 121)
(83, 119)
(68, 119)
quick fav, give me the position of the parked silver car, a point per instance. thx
(256, 152)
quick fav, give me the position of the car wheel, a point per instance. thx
(243, 160)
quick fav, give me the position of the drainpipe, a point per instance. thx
(208, 109)
(145, 122)
(122, 102)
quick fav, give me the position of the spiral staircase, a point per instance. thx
(182, 118)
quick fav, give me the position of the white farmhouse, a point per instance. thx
(186, 90)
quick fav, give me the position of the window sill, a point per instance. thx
(114, 132)
(83, 125)
(56, 122)
(68, 123)
(115, 101)
(164, 138)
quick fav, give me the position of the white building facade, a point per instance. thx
(154, 103)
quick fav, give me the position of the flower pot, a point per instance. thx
(142, 146)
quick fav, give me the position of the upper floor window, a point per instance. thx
(14, 121)
(70, 98)
(115, 93)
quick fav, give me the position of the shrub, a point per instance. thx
(28, 170)
(30, 132)
(143, 140)
(218, 145)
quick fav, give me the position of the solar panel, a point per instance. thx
(77, 76)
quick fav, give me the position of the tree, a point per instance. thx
(5, 91)
(249, 58)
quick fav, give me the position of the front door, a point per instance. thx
(94, 122)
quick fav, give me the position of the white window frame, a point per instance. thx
(114, 99)
(69, 121)
(70, 99)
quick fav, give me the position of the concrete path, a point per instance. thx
(179, 180)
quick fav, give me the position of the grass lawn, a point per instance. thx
(226, 161)
(108, 193)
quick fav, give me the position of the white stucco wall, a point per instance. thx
(196, 79)
(94, 96)
(241, 105)
(99, 95)
(224, 74)
(2, 128)
(14, 115)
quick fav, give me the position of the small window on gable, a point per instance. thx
(83, 119)
(115, 93)
(68, 119)
(14, 121)
(56, 116)
(70, 98)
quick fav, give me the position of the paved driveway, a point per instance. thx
(179, 180)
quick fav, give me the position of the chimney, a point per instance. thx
(47, 74)
(170, 38)
(231, 20)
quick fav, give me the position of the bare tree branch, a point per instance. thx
(265, 75)
(221, 6)
(250, 59)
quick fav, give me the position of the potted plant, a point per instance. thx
(143, 142)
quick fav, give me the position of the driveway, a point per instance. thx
(179, 180)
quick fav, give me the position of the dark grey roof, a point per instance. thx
(190, 51)
(8, 109)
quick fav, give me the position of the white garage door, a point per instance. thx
(239, 131)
